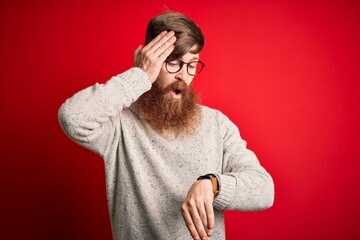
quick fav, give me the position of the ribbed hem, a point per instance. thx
(228, 184)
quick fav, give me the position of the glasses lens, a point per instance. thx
(173, 66)
(195, 68)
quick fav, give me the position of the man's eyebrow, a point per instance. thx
(194, 58)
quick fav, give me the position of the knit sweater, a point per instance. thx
(148, 176)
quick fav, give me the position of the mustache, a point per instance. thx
(177, 86)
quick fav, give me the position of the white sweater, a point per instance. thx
(148, 176)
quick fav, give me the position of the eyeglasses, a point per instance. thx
(193, 67)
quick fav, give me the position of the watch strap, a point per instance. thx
(214, 180)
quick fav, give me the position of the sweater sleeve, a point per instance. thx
(245, 184)
(91, 116)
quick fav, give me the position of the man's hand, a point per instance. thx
(198, 211)
(152, 56)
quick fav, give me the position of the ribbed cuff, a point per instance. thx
(228, 184)
(136, 79)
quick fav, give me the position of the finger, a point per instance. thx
(158, 37)
(189, 223)
(154, 49)
(166, 53)
(202, 214)
(161, 49)
(210, 217)
(204, 219)
(198, 223)
(136, 55)
(137, 50)
(206, 213)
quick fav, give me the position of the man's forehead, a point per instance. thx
(190, 56)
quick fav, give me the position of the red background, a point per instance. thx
(286, 72)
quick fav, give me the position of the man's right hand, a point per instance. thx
(151, 57)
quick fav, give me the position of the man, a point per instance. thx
(172, 165)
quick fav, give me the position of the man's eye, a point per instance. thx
(192, 65)
(173, 63)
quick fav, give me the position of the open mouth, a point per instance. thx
(177, 91)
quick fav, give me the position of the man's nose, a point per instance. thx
(183, 75)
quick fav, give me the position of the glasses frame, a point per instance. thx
(182, 63)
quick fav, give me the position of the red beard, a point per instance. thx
(168, 115)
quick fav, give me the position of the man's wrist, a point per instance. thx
(215, 180)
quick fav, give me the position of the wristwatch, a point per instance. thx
(214, 180)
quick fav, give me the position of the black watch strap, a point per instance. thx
(207, 176)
